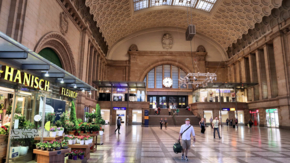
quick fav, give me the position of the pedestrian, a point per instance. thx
(215, 125)
(159, 110)
(231, 121)
(202, 125)
(250, 123)
(161, 123)
(185, 133)
(169, 111)
(118, 125)
(187, 108)
(156, 111)
(210, 121)
(236, 122)
(165, 123)
(177, 111)
(227, 121)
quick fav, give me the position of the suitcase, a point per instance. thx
(177, 148)
(234, 126)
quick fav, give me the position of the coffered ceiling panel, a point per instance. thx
(227, 21)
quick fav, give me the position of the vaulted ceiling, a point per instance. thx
(226, 22)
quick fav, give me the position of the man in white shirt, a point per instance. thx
(215, 125)
(186, 131)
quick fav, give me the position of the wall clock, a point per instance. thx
(167, 82)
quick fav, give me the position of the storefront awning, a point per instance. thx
(229, 85)
(120, 84)
(20, 57)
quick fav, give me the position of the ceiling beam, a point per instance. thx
(13, 55)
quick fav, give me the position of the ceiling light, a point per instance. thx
(46, 74)
(83, 90)
(20, 99)
(133, 89)
(90, 93)
(61, 81)
(75, 86)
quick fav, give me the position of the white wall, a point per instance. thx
(150, 40)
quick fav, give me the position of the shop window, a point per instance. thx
(50, 55)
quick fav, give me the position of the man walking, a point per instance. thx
(118, 125)
(215, 125)
(186, 131)
(210, 121)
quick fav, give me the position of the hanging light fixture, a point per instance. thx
(75, 86)
(61, 81)
(90, 93)
(46, 74)
(83, 90)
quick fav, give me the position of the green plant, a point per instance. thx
(18, 109)
(22, 122)
(64, 144)
(8, 111)
(69, 126)
(58, 123)
(80, 120)
(99, 119)
(64, 117)
(50, 117)
(95, 127)
(73, 116)
(1, 106)
(28, 125)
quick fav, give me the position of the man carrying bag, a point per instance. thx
(185, 133)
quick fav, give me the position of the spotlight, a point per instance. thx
(75, 86)
(46, 74)
(83, 90)
(90, 93)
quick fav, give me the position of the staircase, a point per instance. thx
(177, 120)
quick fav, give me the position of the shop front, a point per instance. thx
(272, 117)
(255, 117)
(167, 101)
(34, 95)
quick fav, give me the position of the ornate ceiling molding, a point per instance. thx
(228, 23)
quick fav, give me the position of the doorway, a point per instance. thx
(137, 117)
(224, 116)
(207, 115)
(122, 114)
(272, 118)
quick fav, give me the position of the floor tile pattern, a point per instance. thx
(138, 144)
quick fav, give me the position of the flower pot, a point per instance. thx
(82, 142)
(82, 157)
(43, 148)
(75, 157)
(49, 149)
(65, 147)
(87, 142)
(70, 157)
(52, 134)
(70, 142)
(71, 132)
(78, 141)
(101, 132)
(45, 133)
(57, 148)
(82, 132)
(59, 133)
(23, 150)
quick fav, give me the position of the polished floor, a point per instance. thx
(138, 144)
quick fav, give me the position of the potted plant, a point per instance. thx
(1, 108)
(101, 132)
(95, 128)
(87, 127)
(75, 155)
(64, 145)
(49, 147)
(70, 140)
(81, 154)
(70, 155)
(43, 146)
(50, 117)
(91, 139)
(80, 121)
(57, 145)
(59, 131)
(38, 145)
(86, 140)
(23, 148)
(52, 132)
(81, 138)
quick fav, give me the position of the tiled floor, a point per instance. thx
(138, 144)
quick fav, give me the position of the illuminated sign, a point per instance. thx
(16, 76)
(119, 108)
(67, 92)
(121, 89)
(226, 109)
(232, 109)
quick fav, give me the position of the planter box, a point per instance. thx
(85, 148)
(50, 156)
(78, 161)
(3, 146)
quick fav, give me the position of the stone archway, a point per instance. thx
(59, 44)
(165, 62)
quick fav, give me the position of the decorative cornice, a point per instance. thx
(167, 53)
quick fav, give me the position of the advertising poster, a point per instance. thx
(53, 106)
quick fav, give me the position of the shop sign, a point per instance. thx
(251, 112)
(67, 92)
(146, 112)
(119, 108)
(226, 109)
(232, 109)
(16, 76)
(121, 89)
(271, 110)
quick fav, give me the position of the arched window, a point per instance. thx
(154, 78)
(50, 55)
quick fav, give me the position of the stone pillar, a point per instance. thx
(284, 121)
(253, 76)
(262, 115)
(280, 68)
(262, 80)
(237, 72)
(243, 71)
(233, 73)
(129, 116)
(246, 116)
(216, 113)
(268, 70)
(232, 115)
(113, 117)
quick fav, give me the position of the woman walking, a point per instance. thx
(161, 123)
(165, 123)
(202, 125)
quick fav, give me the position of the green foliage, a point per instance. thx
(99, 119)
(21, 120)
(73, 115)
(18, 109)
(80, 120)
(8, 111)
(50, 117)
(58, 123)
(96, 127)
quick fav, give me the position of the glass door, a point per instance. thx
(272, 118)
(162, 102)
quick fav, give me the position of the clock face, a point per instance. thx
(167, 82)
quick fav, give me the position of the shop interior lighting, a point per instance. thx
(20, 99)
(61, 81)
(133, 89)
(6, 89)
(46, 74)
(25, 93)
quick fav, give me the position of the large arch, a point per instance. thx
(58, 43)
(168, 62)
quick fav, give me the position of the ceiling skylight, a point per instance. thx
(205, 5)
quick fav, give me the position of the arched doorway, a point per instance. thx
(51, 55)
